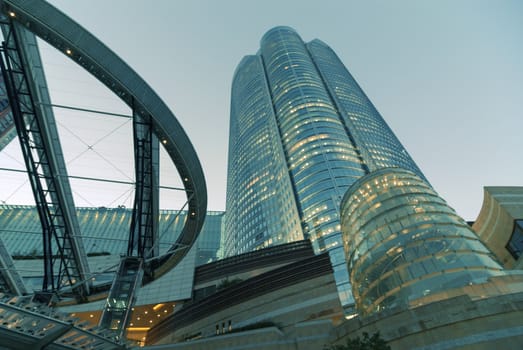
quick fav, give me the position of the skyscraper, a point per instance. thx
(302, 132)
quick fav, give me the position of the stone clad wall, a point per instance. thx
(455, 323)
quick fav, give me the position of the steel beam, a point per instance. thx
(10, 280)
(65, 263)
(82, 47)
(143, 236)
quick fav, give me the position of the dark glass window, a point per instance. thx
(515, 244)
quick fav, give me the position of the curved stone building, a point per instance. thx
(500, 224)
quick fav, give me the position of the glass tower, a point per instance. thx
(301, 133)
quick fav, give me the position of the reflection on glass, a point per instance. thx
(404, 242)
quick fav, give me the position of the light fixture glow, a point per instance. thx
(158, 306)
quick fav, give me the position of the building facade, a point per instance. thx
(302, 132)
(404, 243)
(105, 233)
(500, 224)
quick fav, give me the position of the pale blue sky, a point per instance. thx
(446, 75)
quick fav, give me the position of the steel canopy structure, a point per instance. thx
(48, 23)
(29, 325)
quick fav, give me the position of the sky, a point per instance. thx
(446, 75)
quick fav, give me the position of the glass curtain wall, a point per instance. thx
(403, 242)
(302, 132)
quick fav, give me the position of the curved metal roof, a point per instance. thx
(67, 36)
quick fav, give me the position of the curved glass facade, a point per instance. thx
(261, 210)
(302, 132)
(404, 242)
(379, 146)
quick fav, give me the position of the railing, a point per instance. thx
(277, 254)
(25, 324)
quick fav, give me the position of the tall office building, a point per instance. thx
(302, 132)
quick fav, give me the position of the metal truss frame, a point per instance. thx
(43, 20)
(36, 129)
(143, 235)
